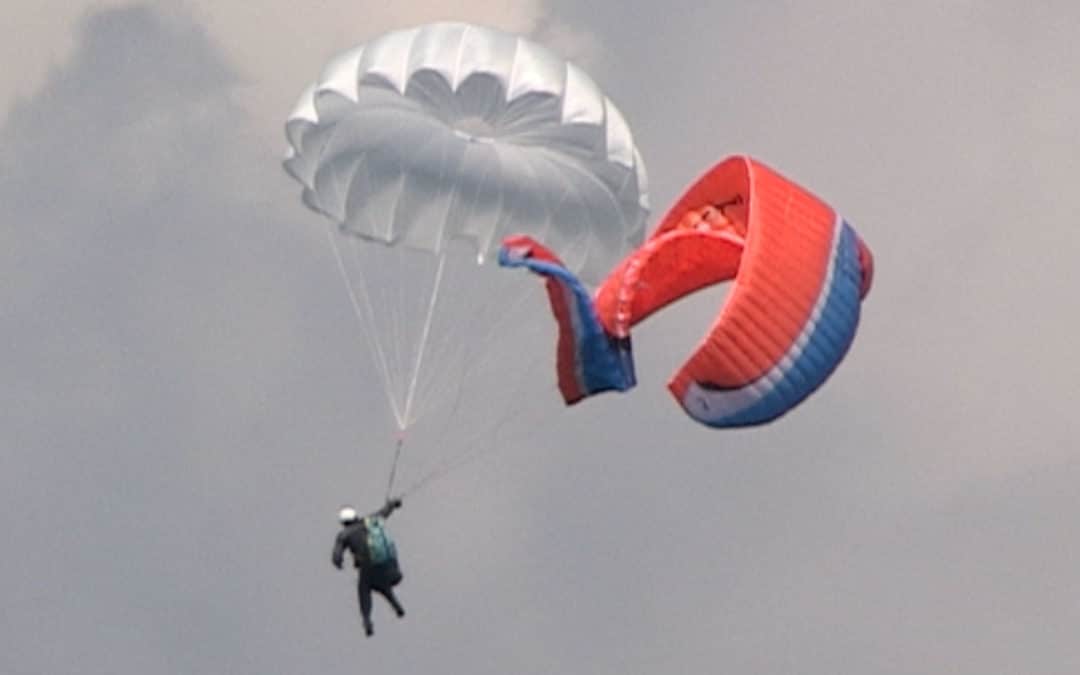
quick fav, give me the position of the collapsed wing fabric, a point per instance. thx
(589, 360)
(799, 273)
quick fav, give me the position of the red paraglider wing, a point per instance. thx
(799, 273)
(664, 269)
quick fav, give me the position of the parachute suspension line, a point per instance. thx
(454, 350)
(384, 369)
(393, 467)
(514, 307)
(467, 353)
(485, 441)
(424, 338)
(469, 356)
(480, 449)
(471, 351)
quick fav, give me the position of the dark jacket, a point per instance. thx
(354, 538)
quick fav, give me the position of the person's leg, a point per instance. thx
(363, 590)
(388, 593)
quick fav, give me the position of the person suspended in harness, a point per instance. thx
(374, 555)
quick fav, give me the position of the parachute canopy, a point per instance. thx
(455, 131)
(424, 147)
(799, 272)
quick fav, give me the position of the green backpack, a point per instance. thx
(380, 546)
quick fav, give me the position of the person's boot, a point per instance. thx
(398, 609)
(369, 630)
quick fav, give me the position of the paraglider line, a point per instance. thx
(480, 450)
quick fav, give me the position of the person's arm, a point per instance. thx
(389, 507)
(339, 550)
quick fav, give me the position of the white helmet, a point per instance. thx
(347, 515)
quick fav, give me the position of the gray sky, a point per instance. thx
(184, 398)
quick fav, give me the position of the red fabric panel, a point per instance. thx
(788, 245)
(663, 270)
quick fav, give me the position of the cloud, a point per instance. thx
(276, 47)
(141, 281)
(184, 398)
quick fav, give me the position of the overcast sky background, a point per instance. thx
(183, 396)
